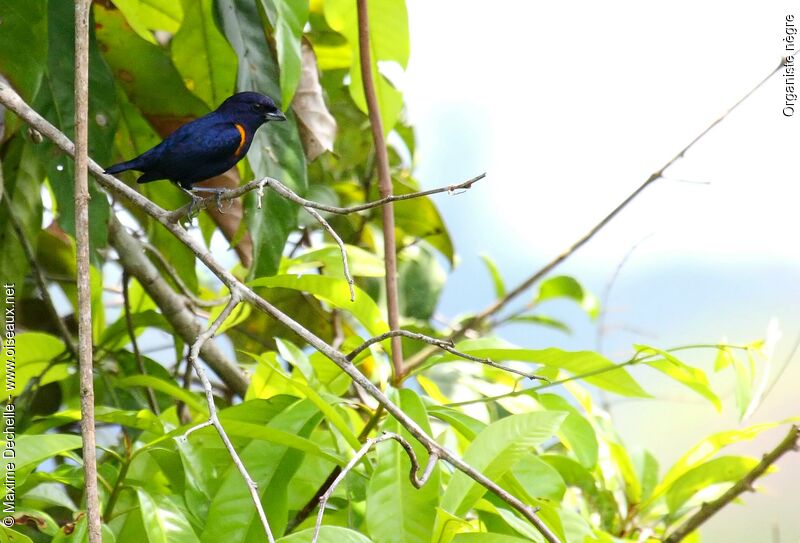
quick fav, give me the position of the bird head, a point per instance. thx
(252, 106)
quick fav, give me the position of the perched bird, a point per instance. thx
(208, 146)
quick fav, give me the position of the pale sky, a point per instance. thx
(569, 106)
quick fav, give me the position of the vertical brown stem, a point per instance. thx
(384, 186)
(84, 290)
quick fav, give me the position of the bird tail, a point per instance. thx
(121, 167)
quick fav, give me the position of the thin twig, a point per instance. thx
(314, 213)
(12, 100)
(416, 480)
(151, 396)
(384, 188)
(481, 317)
(259, 184)
(213, 417)
(444, 344)
(82, 265)
(38, 276)
(789, 443)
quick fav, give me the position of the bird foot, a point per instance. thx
(218, 192)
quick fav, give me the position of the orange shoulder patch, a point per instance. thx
(242, 139)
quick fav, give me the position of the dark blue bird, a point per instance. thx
(208, 146)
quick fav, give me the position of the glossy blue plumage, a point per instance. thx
(208, 146)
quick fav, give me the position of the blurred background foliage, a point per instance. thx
(155, 64)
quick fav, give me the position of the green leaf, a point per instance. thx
(564, 286)
(596, 369)
(719, 470)
(396, 511)
(575, 432)
(145, 16)
(389, 42)
(420, 282)
(362, 263)
(693, 378)
(497, 279)
(276, 150)
(32, 450)
(704, 450)
(116, 335)
(333, 291)
(495, 451)
(202, 55)
(35, 353)
(538, 478)
(745, 373)
(160, 385)
(145, 71)
(231, 516)
(327, 534)
(287, 19)
(323, 405)
(23, 49)
(7, 535)
(56, 103)
(164, 521)
(420, 219)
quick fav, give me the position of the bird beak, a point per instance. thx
(276, 116)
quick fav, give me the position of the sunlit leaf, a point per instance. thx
(567, 287)
(693, 378)
(495, 451)
(164, 521)
(327, 534)
(172, 389)
(146, 16)
(719, 470)
(287, 19)
(494, 273)
(575, 432)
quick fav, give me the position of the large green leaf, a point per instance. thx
(35, 353)
(693, 378)
(164, 521)
(166, 387)
(718, 470)
(55, 101)
(23, 49)
(202, 55)
(287, 19)
(495, 451)
(420, 282)
(487, 537)
(397, 512)
(231, 516)
(335, 292)
(538, 478)
(145, 71)
(32, 450)
(575, 432)
(389, 42)
(599, 371)
(420, 218)
(276, 150)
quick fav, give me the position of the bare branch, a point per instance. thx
(12, 100)
(313, 212)
(789, 443)
(82, 273)
(444, 344)
(213, 416)
(259, 184)
(416, 480)
(481, 317)
(384, 187)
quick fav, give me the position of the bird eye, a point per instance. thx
(257, 107)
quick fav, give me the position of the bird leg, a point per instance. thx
(195, 200)
(218, 191)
